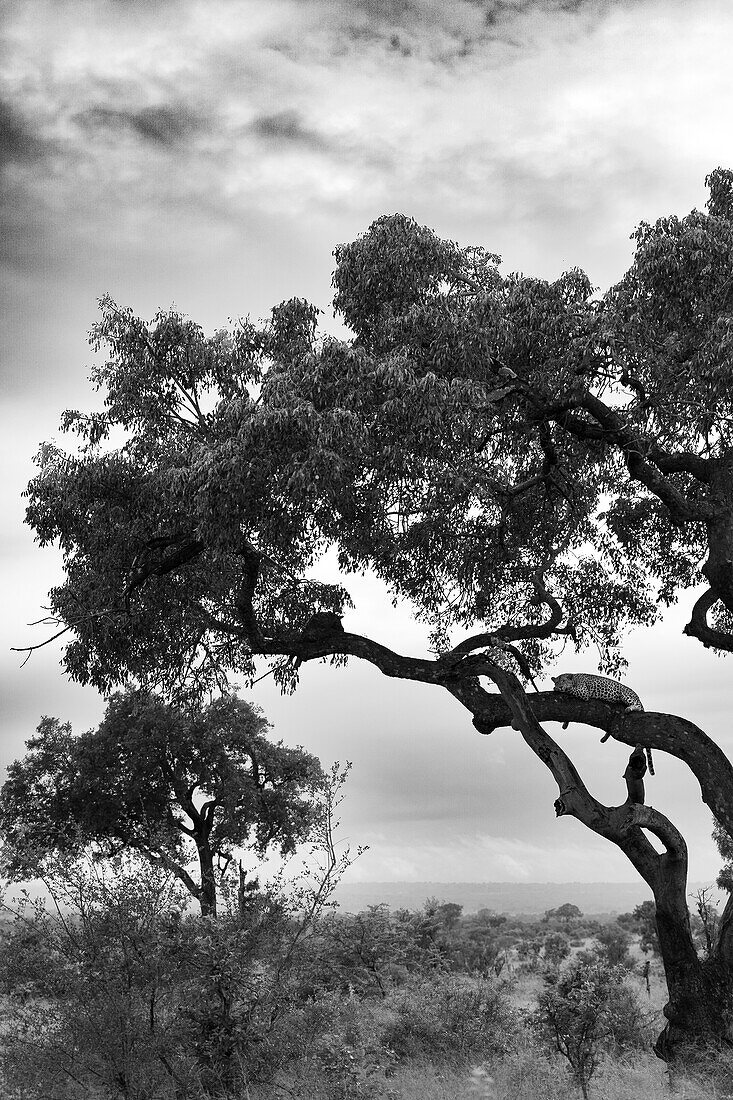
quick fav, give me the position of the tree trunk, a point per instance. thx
(207, 894)
(700, 1006)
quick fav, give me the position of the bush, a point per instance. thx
(451, 1018)
(120, 993)
(586, 1011)
(555, 948)
(87, 989)
(612, 947)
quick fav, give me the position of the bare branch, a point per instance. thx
(28, 649)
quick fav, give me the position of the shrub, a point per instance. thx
(612, 947)
(585, 1011)
(555, 948)
(450, 1018)
(124, 994)
(88, 988)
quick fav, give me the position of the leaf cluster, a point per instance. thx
(156, 779)
(485, 444)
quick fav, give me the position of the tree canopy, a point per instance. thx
(526, 462)
(507, 453)
(170, 784)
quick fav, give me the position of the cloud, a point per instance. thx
(486, 858)
(554, 126)
(19, 144)
(286, 128)
(165, 125)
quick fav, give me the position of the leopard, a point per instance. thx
(586, 686)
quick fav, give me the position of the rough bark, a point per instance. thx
(699, 1008)
(207, 889)
(719, 566)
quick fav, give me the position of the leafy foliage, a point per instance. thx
(585, 1010)
(469, 445)
(450, 1018)
(643, 921)
(118, 990)
(162, 781)
(555, 948)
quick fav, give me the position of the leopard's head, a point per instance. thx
(563, 682)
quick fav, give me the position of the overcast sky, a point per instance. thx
(211, 153)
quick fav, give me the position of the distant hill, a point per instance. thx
(529, 898)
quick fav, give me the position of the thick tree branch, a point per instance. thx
(146, 564)
(666, 732)
(646, 817)
(617, 824)
(245, 596)
(682, 462)
(698, 626)
(636, 455)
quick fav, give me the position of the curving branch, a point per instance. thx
(156, 855)
(665, 732)
(681, 462)
(653, 730)
(623, 825)
(636, 453)
(646, 463)
(646, 817)
(504, 635)
(698, 626)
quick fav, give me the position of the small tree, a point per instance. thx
(168, 783)
(490, 918)
(555, 948)
(705, 922)
(612, 946)
(91, 988)
(115, 990)
(363, 950)
(643, 921)
(584, 1011)
(450, 914)
(565, 914)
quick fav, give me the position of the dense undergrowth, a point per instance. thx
(116, 991)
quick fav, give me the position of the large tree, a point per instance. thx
(529, 465)
(179, 786)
